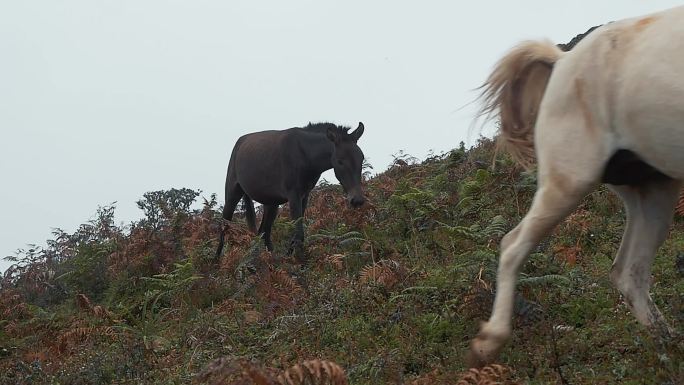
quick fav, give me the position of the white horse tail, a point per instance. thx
(514, 91)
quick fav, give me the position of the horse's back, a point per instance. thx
(627, 79)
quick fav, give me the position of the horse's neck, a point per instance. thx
(318, 151)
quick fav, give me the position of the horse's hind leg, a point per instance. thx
(296, 203)
(556, 196)
(650, 209)
(270, 214)
(233, 195)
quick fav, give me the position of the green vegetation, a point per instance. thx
(392, 292)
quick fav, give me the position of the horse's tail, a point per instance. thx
(222, 232)
(222, 236)
(514, 91)
(250, 213)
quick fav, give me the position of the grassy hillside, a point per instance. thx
(392, 293)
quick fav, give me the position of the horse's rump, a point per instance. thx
(624, 82)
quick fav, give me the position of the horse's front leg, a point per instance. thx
(552, 202)
(296, 214)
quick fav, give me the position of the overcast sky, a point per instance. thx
(101, 101)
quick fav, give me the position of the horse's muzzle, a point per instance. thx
(356, 201)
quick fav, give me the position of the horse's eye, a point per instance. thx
(340, 162)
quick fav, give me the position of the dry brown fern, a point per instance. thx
(235, 371)
(231, 259)
(313, 372)
(12, 306)
(477, 302)
(430, 378)
(79, 334)
(41, 355)
(232, 371)
(84, 304)
(101, 312)
(680, 204)
(328, 206)
(288, 290)
(386, 272)
(336, 260)
(493, 374)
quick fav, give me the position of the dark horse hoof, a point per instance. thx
(296, 250)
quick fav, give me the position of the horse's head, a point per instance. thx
(347, 160)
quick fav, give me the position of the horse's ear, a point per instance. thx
(332, 135)
(358, 132)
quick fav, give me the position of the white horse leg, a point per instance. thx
(510, 237)
(649, 214)
(555, 198)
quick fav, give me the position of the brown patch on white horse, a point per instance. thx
(644, 22)
(589, 122)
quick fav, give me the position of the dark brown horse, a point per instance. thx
(274, 167)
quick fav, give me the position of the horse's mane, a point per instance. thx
(322, 127)
(572, 43)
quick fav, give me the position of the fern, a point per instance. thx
(248, 264)
(280, 286)
(290, 323)
(414, 205)
(175, 285)
(12, 306)
(386, 273)
(463, 232)
(412, 293)
(84, 304)
(351, 240)
(473, 186)
(544, 280)
(229, 370)
(78, 334)
(493, 374)
(496, 228)
(342, 240)
(529, 311)
(527, 181)
(680, 204)
(313, 372)
(336, 260)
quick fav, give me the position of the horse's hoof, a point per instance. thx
(299, 255)
(296, 249)
(292, 247)
(484, 350)
(476, 357)
(475, 360)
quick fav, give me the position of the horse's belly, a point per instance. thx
(266, 198)
(262, 189)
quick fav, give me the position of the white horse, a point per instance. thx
(609, 111)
